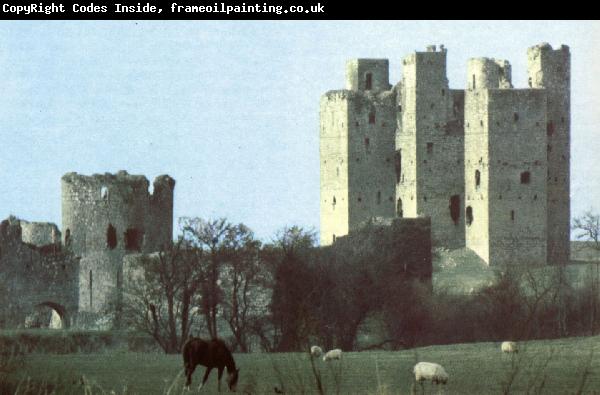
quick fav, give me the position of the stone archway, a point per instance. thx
(59, 318)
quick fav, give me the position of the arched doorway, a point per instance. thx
(48, 315)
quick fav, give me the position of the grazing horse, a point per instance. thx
(212, 354)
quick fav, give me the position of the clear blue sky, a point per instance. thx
(230, 109)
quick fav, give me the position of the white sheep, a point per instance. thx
(430, 371)
(333, 354)
(509, 347)
(316, 351)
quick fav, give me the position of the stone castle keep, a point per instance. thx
(79, 273)
(488, 164)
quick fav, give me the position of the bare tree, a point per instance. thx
(212, 237)
(213, 271)
(588, 230)
(542, 291)
(158, 294)
(245, 295)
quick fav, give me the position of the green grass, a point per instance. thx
(478, 368)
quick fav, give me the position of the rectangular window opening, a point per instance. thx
(369, 81)
(430, 148)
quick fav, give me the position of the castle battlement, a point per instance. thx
(489, 73)
(121, 184)
(488, 164)
(368, 75)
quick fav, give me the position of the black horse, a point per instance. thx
(212, 354)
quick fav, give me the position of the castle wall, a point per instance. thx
(430, 144)
(39, 233)
(518, 220)
(477, 173)
(550, 70)
(160, 214)
(405, 158)
(404, 242)
(333, 146)
(372, 126)
(34, 276)
(100, 280)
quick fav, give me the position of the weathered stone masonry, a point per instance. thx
(35, 271)
(429, 147)
(106, 217)
(550, 69)
(489, 165)
(79, 273)
(357, 150)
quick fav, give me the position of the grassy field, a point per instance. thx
(553, 367)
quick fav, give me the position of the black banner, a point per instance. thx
(249, 9)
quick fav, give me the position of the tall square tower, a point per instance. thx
(430, 148)
(505, 167)
(550, 69)
(357, 149)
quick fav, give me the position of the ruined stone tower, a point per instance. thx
(489, 165)
(429, 147)
(107, 216)
(505, 166)
(550, 70)
(357, 149)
